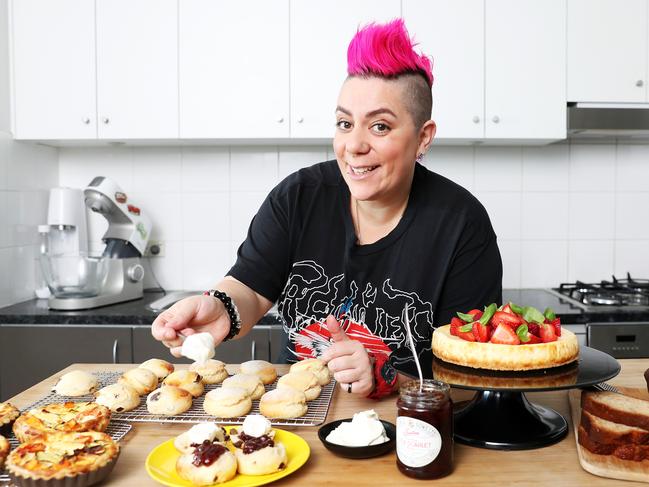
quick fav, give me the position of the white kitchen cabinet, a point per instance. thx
(607, 50)
(499, 67)
(53, 69)
(137, 69)
(234, 69)
(319, 38)
(85, 69)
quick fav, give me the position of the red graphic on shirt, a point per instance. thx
(313, 339)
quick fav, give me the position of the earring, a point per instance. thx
(420, 157)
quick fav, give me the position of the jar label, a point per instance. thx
(418, 442)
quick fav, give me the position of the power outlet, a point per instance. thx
(155, 248)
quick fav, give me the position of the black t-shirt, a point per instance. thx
(301, 252)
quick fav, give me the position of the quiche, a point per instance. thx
(87, 456)
(8, 413)
(4, 450)
(64, 417)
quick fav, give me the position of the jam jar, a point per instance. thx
(425, 429)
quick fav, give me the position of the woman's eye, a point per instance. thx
(343, 124)
(380, 128)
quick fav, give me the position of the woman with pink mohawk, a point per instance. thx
(344, 246)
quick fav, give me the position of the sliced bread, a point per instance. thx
(603, 431)
(629, 452)
(617, 408)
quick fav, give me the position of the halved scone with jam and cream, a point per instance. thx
(86, 456)
(61, 418)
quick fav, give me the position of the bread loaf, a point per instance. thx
(617, 408)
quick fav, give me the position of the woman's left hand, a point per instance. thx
(348, 361)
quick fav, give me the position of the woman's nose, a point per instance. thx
(356, 142)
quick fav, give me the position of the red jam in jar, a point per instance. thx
(425, 429)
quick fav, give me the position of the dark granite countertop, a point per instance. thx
(35, 311)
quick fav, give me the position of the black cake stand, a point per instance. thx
(499, 416)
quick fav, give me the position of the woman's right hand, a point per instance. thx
(195, 314)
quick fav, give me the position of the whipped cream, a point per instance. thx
(198, 347)
(201, 432)
(256, 425)
(364, 429)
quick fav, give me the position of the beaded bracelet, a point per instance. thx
(231, 308)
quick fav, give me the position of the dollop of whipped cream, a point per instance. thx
(201, 432)
(198, 347)
(256, 425)
(364, 429)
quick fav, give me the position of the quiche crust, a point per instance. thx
(495, 356)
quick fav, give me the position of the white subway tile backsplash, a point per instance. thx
(6, 296)
(156, 168)
(22, 271)
(504, 211)
(592, 216)
(543, 263)
(546, 168)
(206, 216)
(632, 216)
(454, 163)
(592, 167)
(590, 260)
(632, 167)
(510, 253)
(498, 168)
(165, 212)
(253, 169)
(79, 165)
(292, 158)
(168, 270)
(244, 208)
(5, 219)
(205, 169)
(205, 264)
(5, 141)
(632, 256)
(544, 216)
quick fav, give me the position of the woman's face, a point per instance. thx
(376, 142)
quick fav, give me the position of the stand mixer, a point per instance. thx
(117, 275)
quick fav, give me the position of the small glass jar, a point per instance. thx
(425, 429)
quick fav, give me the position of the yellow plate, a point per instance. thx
(161, 463)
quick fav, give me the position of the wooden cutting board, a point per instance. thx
(607, 465)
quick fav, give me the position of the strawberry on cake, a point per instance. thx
(511, 337)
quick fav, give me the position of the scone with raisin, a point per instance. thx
(256, 450)
(76, 383)
(61, 418)
(118, 397)
(197, 434)
(186, 379)
(87, 457)
(209, 463)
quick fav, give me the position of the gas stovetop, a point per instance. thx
(628, 294)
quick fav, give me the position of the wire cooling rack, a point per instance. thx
(116, 429)
(316, 414)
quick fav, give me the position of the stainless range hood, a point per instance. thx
(600, 120)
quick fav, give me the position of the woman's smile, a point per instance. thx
(359, 172)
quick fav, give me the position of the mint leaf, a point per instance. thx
(488, 313)
(523, 334)
(465, 317)
(532, 314)
(519, 310)
(549, 314)
(466, 328)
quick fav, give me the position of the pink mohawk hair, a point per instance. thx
(386, 50)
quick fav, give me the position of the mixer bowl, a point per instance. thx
(74, 275)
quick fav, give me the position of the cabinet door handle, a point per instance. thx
(253, 350)
(115, 350)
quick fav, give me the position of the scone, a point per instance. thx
(208, 463)
(213, 371)
(197, 434)
(316, 366)
(4, 450)
(67, 459)
(283, 403)
(302, 380)
(168, 401)
(61, 418)
(76, 383)
(8, 414)
(249, 382)
(142, 380)
(161, 368)
(227, 402)
(186, 379)
(261, 457)
(118, 397)
(264, 370)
